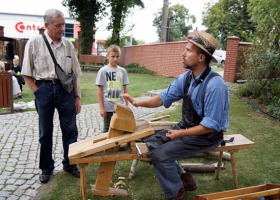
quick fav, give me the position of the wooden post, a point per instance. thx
(83, 182)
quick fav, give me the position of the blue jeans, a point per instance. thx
(169, 176)
(107, 120)
(165, 153)
(49, 97)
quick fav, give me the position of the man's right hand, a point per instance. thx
(131, 100)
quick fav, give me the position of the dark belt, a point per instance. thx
(53, 81)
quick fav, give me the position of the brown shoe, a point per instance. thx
(180, 195)
(188, 181)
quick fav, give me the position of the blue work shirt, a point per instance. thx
(216, 100)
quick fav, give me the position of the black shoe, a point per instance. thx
(180, 196)
(73, 171)
(45, 176)
(188, 181)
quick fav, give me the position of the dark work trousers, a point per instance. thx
(49, 97)
(164, 149)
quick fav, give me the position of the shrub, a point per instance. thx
(135, 68)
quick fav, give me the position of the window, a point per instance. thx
(69, 30)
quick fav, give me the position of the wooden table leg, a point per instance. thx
(219, 164)
(103, 180)
(233, 169)
(83, 181)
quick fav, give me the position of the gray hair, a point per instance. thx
(52, 13)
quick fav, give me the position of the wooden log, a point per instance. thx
(133, 168)
(200, 167)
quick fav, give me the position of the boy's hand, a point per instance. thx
(102, 112)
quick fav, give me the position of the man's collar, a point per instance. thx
(50, 40)
(198, 77)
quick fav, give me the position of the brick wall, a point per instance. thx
(91, 59)
(235, 58)
(231, 58)
(166, 58)
(163, 58)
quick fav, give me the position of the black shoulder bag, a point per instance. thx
(67, 80)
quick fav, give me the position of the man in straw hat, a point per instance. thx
(204, 117)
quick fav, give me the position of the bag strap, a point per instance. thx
(49, 48)
(51, 52)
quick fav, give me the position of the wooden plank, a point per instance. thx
(104, 176)
(1, 90)
(123, 119)
(159, 118)
(9, 90)
(110, 192)
(229, 193)
(106, 157)
(6, 92)
(254, 195)
(89, 148)
(92, 139)
(162, 123)
(83, 182)
(239, 142)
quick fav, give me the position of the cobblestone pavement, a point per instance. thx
(19, 156)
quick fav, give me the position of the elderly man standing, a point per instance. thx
(204, 117)
(39, 73)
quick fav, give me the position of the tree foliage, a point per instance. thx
(86, 12)
(262, 67)
(229, 18)
(179, 22)
(119, 11)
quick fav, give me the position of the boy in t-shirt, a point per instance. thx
(112, 81)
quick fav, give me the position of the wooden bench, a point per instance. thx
(6, 92)
(267, 190)
(240, 142)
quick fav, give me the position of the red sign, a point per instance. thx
(21, 27)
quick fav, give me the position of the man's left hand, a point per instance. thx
(172, 134)
(78, 105)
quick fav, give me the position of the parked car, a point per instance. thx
(220, 56)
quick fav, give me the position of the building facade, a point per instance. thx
(25, 26)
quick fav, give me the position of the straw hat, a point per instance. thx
(206, 42)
